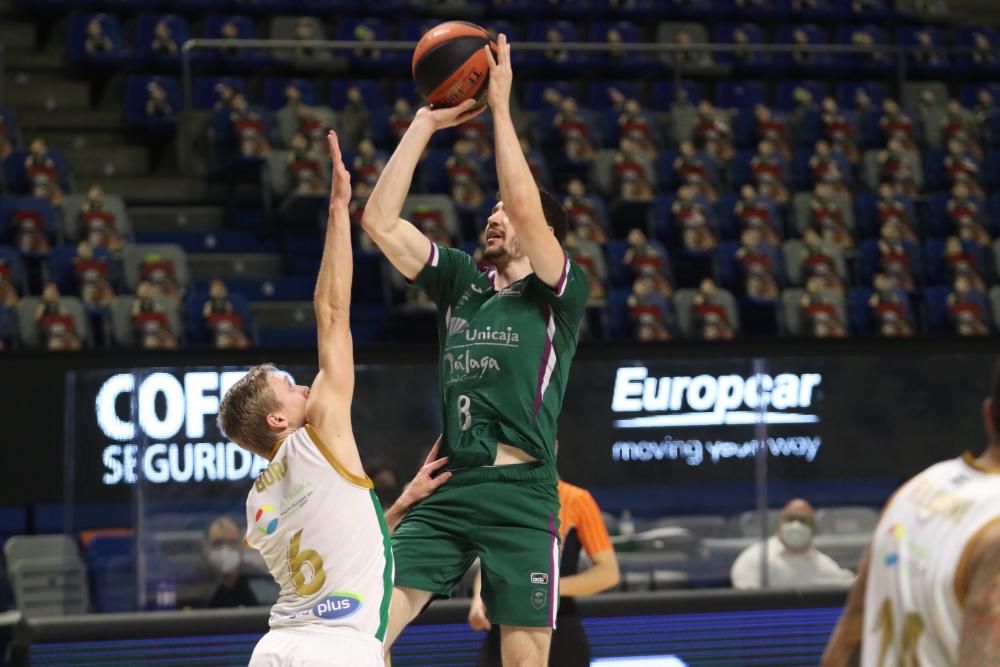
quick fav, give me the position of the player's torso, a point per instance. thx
(323, 539)
(912, 611)
(499, 353)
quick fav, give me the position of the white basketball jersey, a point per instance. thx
(913, 612)
(321, 531)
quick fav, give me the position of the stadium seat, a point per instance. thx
(47, 575)
(145, 33)
(11, 208)
(791, 310)
(242, 58)
(684, 303)
(112, 53)
(136, 95)
(134, 254)
(284, 27)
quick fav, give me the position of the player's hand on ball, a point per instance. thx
(425, 482)
(477, 615)
(445, 117)
(340, 186)
(501, 74)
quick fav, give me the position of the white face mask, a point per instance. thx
(224, 559)
(796, 535)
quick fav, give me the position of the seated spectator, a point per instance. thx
(863, 103)
(820, 317)
(150, 323)
(645, 260)
(768, 170)
(962, 166)
(554, 53)
(367, 165)
(8, 291)
(967, 309)
(535, 159)
(983, 53)
(479, 133)
(692, 170)
(839, 131)
(754, 211)
(894, 261)
(430, 221)
(222, 320)
(711, 319)
(649, 308)
(691, 211)
(230, 30)
(773, 129)
(590, 257)
(963, 261)
(757, 260)
(804, 54)
(223, 552)
(896, 124)
(355, 117)
(827, 218)
(305, 169)
(465, 175)
(578, 143)
(157, 103)
(792, 559)
(364, 33)
(159, 272)
(97, 42)
(304, 32)
(712, 126)
(899, 166)
(889, 309)
(966, 213)
(632, 172)
(960, 125)
(56, 327)
(687, 57)
(400, 119)
(927, 52)
(819, 264)
(584, 217)
(826, 167)
(163, 43)
(634, 124)
(249, 129)
(224, 96)
(892, 212)
(6, 140)
(98, 225)
(40, 171)
(871, 53)
(27, 227)
(91, 269)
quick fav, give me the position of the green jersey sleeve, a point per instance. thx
(447, 271)
(568, 298)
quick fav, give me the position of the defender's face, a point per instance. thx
(292, 398)
(501, 239)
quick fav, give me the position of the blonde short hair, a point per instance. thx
(244, 409)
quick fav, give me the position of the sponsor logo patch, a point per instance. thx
(338, 605)
(539, 578)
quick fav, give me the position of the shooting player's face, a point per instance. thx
(292, 398)
(501, 239)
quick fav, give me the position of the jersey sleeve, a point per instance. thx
(590, 526)
(446, 269)
(568, 298)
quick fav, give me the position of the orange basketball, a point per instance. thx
(449, 64)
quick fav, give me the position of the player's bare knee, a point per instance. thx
(525, 647)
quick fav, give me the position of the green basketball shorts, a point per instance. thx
(508, 516)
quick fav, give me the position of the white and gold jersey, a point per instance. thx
(918, 564)
(321, 532)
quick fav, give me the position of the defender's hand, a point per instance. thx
(340, 186)
(425, 483)
(501, 74)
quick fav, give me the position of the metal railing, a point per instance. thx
(3, 72)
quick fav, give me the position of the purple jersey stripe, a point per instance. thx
(553, 573)
(432, 259)
(563, 279)
(548, 362)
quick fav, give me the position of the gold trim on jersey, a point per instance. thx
(971, 461)
(364, 482)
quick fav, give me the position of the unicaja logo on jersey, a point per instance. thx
(267, 523)
(338, 605)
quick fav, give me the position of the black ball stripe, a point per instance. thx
(441, 61)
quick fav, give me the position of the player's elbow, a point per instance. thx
(613, 576)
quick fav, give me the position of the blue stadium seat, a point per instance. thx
(371, 93)
(725, 33)
(934, 172)
(61, 269)
(938, 317)
(965, 37)
(354, 29)
(574, 60)
(863, 63)
(203, 91)
(145, 32)
(111, 567)
(599, 99)
(136, 95)
(740, 94)
(194, 322)
(246, 29)
(784, 95)
(534, 92)
(871, 261)
(10, 129)
(665, 93)
(9, 206)
(12, 259)
(877, 10)
(825, 10)
(412, 29)
(274, 91)
(785, 34)
(907, 36)
(76, 37)
(625, 61)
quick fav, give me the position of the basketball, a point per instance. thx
(449, 65)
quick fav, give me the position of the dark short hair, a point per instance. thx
(555, 215)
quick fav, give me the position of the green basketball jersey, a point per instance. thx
(505, 355)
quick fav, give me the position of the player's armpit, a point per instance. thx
(328, 412)
(403, 245)
(980, 640)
